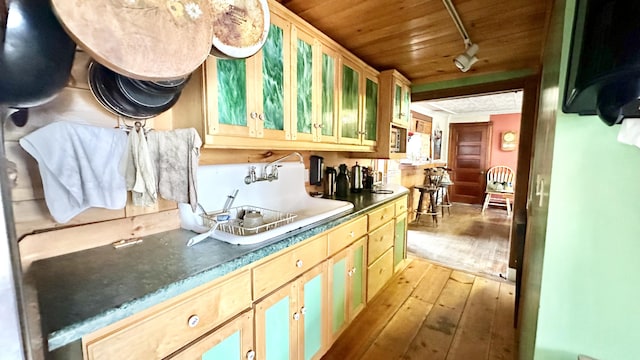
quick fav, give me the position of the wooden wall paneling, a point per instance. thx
(53, 243)
(33, 215)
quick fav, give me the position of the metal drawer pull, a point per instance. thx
(296, 316)
(299, 263)
(193, 320)
(251, 355)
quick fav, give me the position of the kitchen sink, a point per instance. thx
(283, 205)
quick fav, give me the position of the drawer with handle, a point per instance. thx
(380, 240)
(291, 264)
(347, 234)
(379, 273)
(401, 206)
(172, 325)
(381, 216)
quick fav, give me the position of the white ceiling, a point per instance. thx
(502, 103)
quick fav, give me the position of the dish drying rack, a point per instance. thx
(235, 226)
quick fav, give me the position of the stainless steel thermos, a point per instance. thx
(356, 178)
(330, 181)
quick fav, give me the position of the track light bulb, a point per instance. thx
(465, 60)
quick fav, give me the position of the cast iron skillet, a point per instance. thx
(104, 86)
(36, 54)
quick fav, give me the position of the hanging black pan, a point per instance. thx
(107, 88)
(36, 54)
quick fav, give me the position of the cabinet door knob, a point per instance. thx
(251, 355)
(353, 270)
(193, 321)
(296, 316)
(261, 116)
(254, 114)
(303, 310)
(299, 263)
(352, 234)
(350, 273)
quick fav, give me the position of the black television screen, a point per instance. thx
(603, 74)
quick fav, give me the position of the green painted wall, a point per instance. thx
(588, 291)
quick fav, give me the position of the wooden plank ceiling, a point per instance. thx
(419, 38)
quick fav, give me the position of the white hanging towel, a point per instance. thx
(79, 166)
(175, 156)
(139, 171)
(630, 132)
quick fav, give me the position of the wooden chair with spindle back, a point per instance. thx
(499, 189)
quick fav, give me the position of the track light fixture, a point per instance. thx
(465, 60)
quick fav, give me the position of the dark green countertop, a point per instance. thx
(81, 292)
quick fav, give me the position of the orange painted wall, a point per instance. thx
(502, 123)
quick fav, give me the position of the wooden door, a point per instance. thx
(469, 152)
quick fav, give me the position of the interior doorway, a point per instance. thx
(530, 88)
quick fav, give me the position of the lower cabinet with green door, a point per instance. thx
(233, 341)
(347, 278)
(290, 322)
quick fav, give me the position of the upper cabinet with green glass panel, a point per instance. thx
(305, 79)
(401, 93)
(248, 97)
(272, 81)
(370, 108)
(349, 120)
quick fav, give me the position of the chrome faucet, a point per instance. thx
(266, 174)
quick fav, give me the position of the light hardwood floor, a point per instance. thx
(431, 312)
(465, 240)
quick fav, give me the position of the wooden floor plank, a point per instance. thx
(432, 284)
(503, 335)
(436, 334)
(359, 336)
(473, 335)
(394, 340)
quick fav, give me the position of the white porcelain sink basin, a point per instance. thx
(286, 195)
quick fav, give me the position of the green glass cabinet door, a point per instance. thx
(399, 244)
(305, 85)
(273, 68)
(233, 341)
(274, 335)
(338, 273)
(406, 105)
(357, 278)
(371, 110)
(231, 78)
(329, 102)
(311, 330)
(397, 102)
(349, 113)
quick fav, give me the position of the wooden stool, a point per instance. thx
(430, 192)
(443, 195)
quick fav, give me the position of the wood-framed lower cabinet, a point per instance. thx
(291, 322)
(347, 286)
(233, 341)
(400, 242)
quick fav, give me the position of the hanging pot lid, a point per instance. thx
(36, 54)
(161, 87)
(143, 39)
(240, 27)
(139, 96)
(104, 86)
